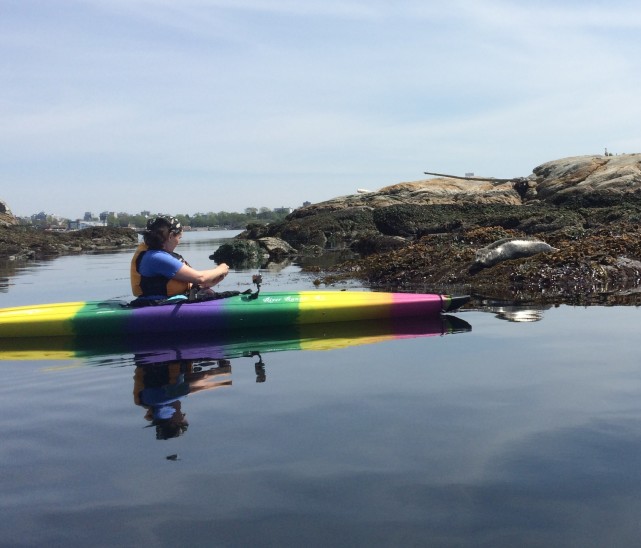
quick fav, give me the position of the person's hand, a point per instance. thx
(219, 275)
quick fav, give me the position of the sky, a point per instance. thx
(196, 106)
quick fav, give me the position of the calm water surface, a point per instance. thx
(511, 434)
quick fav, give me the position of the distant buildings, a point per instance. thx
(79, 224)
(123, 219)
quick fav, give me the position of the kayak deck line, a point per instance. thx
(109, 318)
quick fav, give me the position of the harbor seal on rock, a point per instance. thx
(509, 248)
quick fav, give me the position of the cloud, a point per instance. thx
(326, 92)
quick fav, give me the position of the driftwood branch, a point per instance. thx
(485, 179)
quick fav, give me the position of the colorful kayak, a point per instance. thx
(151, 349)
(114, 318)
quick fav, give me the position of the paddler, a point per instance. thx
(159, 273)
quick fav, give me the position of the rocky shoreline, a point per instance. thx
(425, 235)
(25, 243)
(602, 265)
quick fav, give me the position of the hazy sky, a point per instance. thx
(186, 106)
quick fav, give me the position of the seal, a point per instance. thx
(507, 249)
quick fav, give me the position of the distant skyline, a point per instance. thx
(219, 105)
(98, 215)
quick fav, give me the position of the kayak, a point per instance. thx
(116, 318)
(150, 349)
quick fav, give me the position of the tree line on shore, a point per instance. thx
(222, 219)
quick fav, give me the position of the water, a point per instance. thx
(511, 434)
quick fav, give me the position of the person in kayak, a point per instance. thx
(159, 273)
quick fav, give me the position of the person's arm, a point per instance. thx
(204, 278)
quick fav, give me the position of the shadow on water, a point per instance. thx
(170, 368)
(231, 344)
(512, 312)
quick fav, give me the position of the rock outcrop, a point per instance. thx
(548, 199)
(426, 234)
(436, 191)
(6, 217)
(589, 180)
(251, 253)
(579, 178)
(22, 242)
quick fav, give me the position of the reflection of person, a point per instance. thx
(160, 388)
(157, 272)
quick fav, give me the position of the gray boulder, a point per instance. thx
(589, 179)
(276, 248)
(239, 252)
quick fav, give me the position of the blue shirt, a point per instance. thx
(156, 262)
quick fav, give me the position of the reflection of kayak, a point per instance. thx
(112, 318)
(233, 344)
